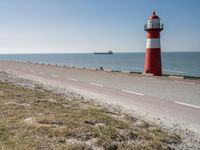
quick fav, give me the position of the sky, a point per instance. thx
(82, 26)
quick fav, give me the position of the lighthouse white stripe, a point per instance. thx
(153, 43)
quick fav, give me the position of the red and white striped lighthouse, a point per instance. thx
(153, 63)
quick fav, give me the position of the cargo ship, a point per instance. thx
(109, 52)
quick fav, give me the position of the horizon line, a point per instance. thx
(91, 52)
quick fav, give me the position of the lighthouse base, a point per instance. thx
(153, 62)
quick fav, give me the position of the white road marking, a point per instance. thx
(99, 85)
(185, 104)
(26, 76)
(131, 92)
(184, 82)
(29, 76)
(32, 71)
(72, 79)
(54, 75)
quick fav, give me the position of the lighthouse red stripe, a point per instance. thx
(153, 61)
(153, 33)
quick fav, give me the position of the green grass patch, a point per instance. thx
(39, 119)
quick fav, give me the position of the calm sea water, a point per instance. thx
(179, 63)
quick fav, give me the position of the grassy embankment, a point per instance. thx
(41, 119)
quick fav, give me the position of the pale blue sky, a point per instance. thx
(71, 26)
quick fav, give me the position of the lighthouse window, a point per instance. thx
(156, 23)
(150, 24)
(153, 23)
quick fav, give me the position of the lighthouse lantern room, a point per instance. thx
(153, 64)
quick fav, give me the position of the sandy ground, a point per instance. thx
(191, 140)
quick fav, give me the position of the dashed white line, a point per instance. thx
(131, 92)
(185, 104)
(99, 85)
(72, 79)
(54, 75)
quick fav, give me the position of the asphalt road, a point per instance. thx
(177, 100)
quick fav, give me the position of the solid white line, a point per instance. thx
(185, 82)
(54, 75)
(72, 79)
(99, 85)
(185, 104)
(131, 92)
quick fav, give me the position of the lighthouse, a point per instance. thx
(153, 64)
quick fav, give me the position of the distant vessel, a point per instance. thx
(109, 52)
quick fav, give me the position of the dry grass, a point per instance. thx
(40, 119)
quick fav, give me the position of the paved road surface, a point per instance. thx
(175, 99)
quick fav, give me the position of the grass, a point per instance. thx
(39, 119)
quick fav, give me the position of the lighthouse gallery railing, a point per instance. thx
(153, 26)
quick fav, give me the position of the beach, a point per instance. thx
(91, 84)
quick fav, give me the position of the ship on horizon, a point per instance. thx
(109, 52)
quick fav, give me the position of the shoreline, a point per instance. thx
(164, 76)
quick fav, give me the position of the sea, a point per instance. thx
(174, 63)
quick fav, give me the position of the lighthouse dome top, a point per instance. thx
(154, 16)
